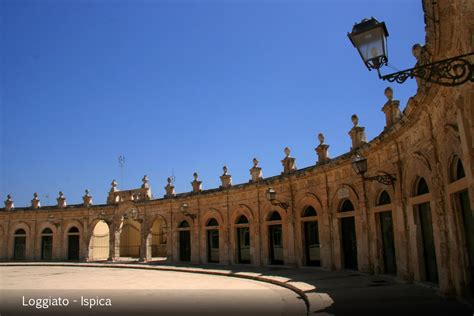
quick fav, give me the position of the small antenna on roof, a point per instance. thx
(121, 161)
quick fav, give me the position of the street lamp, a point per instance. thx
(359, 164)
(184, 209)
(271, 197)
(370, 38)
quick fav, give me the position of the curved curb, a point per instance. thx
(276, 280)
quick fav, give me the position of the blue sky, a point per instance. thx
(183, 86)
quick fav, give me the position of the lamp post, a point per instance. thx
(359, 164)
(270, 194)
(184, 209)
(369, 37)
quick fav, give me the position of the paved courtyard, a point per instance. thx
(151, 289)
(142, 292)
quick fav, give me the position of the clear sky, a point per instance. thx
(183, 86)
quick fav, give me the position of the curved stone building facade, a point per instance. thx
(420, 228)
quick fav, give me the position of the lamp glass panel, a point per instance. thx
(371, 43)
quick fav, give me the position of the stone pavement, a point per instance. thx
(327, 292)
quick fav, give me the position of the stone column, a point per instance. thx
(114, 243)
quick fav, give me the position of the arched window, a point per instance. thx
(242, 220)
(456, 170)
(47, 231)
(183, 224)
(309, 211)
(346, 206)
(212, 222)
(384, 198)
(20, 232)
(73, 230)
(422, 187)
(274, 216)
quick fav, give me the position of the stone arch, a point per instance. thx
(383, 197)
(56, 239)
(208, 251)
(350, 194)
(455, 168)
(157, 239)
(305, 230)
(99, 240)
(210, 213)
(241, 209)
(65, 238)
(29, 238)
(309, 199)
(237, 233)
(416, 167)
(265, 224)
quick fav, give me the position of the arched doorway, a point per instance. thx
(47, 244)
(243, 239)
(387, 236)
(100, 242)
(427, 237)
(348, 236)
(130, 239)
(311, 237)
(212, 233)
(19, 244)
(159, 232)
(275, 238)
(463, 207)
(73, 236)
(184, 241)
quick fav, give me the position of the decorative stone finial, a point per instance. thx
(322, 150)
(146, 184)
(114, 186)
(197, 185)
(9, 203)
(87, 198)
(226, 179)
(388, 93)
(255, 171)
(35, 203)
(355, 120)
(61, 199)
(288, 162)
(391, 109)
(357, 133)
(169, 188)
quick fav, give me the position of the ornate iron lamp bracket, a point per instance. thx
(449, 72)
(384, 178)
(283, 205)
